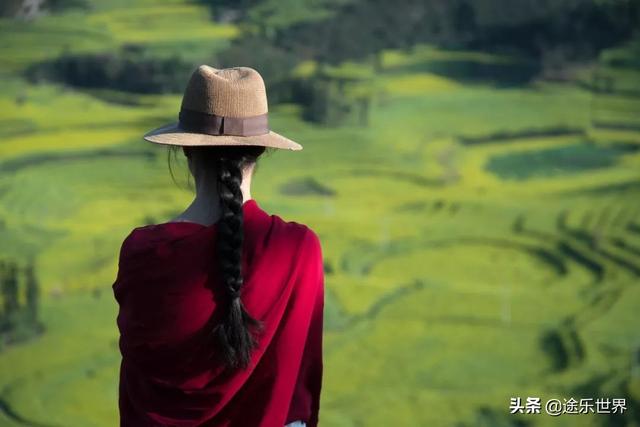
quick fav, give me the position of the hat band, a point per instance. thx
(212, 124)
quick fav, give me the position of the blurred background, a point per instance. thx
(472, 168)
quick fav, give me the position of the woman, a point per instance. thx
(221, 308)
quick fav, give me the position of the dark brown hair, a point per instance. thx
(234, 334)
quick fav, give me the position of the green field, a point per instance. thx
(481, 241)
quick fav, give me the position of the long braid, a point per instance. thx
(233, 334)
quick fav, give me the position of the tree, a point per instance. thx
(9, 8)
(3, 317)
(10, 294)
(32, 294)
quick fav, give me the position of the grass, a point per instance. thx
(450, 288)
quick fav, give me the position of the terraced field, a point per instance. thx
(482, 237)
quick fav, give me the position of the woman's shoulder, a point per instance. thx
(302, 234)
(136, 238)
(142, 234)
(146, 236)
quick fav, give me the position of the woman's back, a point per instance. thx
(171, 297)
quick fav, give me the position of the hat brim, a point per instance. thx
(173, 135)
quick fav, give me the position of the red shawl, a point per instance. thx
(167, 288)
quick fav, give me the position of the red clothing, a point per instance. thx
(167, 288)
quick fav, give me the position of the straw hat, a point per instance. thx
(223, 107)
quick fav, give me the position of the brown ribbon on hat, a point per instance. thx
(212, 124)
